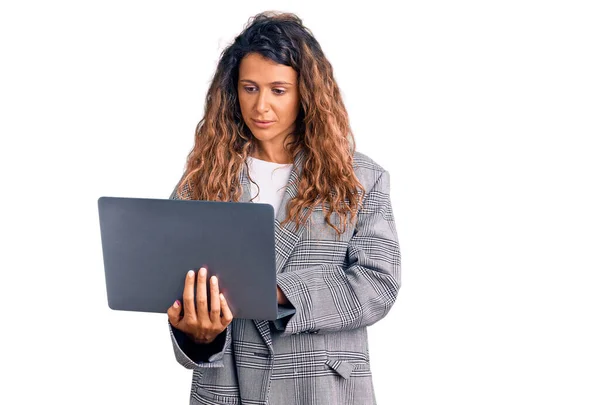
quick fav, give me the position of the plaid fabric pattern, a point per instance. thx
(338, 287)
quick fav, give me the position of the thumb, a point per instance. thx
(174, 313)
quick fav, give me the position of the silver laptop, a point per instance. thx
(149, 245)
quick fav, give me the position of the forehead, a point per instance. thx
(261, 70)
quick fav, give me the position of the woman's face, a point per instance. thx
(269, 99)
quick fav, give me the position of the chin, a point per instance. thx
(263, 137)
(264, 134)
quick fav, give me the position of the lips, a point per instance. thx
(261, 122)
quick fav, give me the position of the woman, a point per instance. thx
(275, 130)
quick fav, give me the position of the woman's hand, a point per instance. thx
(197, 322)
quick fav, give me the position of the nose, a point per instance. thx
(262, 103)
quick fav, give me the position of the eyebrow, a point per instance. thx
(277, 83)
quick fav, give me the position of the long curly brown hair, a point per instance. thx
(223, 141)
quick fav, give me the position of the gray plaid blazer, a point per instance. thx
(320, 355)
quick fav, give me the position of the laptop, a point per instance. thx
(149, 245)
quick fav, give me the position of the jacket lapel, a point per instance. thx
(286, 236)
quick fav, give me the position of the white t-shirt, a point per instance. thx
(272, 178)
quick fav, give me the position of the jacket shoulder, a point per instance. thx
(362, 161)
(367, 170)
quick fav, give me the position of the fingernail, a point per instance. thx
(222, 296)
(176, 304)
(213, 280)
(191, 273)
(202, 271)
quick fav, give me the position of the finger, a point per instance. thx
(188, 297)
(227, 315)
(201, 300)
(174, 313)
(215, 305)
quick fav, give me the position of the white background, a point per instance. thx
(485, 113)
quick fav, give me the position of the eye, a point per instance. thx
(249, 89)
(279, 92)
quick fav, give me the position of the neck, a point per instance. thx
(280, 155)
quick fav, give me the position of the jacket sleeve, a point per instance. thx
(331, 297)
(192, 355)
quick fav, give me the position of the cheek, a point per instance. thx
(289, 110)
(243, 105)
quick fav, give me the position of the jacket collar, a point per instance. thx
(286, 236)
